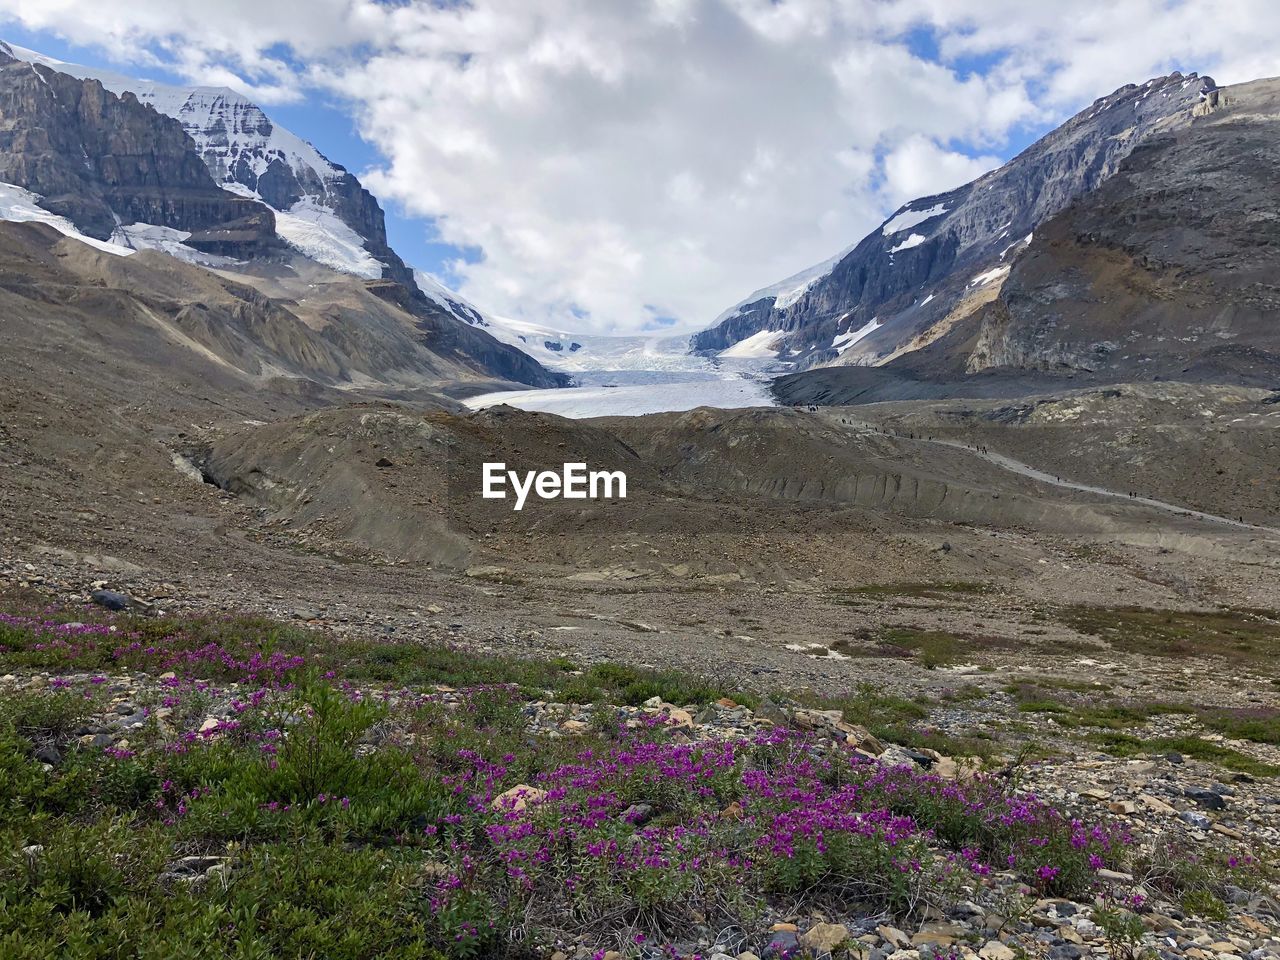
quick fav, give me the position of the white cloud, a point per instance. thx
(637, 159)
(919, 167)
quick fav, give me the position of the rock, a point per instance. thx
(895, 937)
(1155, 803)
(1115, 875)
(638, 814)
(518, 798)
(48, 753)
(768, 710)
(995, 950)
(486, 571)
(1206, 799)
(782, 943)
(675, 716)
(1196, 819)
(111, 599)
(824, 937)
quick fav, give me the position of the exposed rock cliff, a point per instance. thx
(102, 160)
(934, 252)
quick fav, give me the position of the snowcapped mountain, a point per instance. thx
(939, 258)
(321, 209)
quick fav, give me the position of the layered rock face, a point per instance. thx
(1170, 269)
(919, 265)
(242, 146)
(101, 160)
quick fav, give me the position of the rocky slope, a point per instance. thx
(104, 167)
(936, 253)
(1168, 270)
(1165, 272)
(168, 328)
(101, 160)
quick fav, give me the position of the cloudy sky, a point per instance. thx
(621, 165)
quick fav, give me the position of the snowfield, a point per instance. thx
(634, 393)
(316, 232)
(22, 206)
(759, 346)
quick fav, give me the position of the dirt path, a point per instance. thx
(1026, 470)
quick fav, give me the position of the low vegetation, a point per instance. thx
(1229, 633)
(340, 811)
(1103, 720)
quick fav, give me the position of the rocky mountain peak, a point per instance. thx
(321, 208)
(935, 253)
(102, 160)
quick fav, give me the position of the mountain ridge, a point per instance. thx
(910, 272)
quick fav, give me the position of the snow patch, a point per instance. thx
(912, 241)
(909, 218)
(788, 291)
(846, 340)
(996, 274)
(22, 206)
(759, 346)
(317, 233)
(150, 236)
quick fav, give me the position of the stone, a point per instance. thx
(678, 717)
(518, 798)
(1155, 803)
(782, 943)
(111, 599)
(48, 753)
(1205, 799)
(1196, 819)
(894, 936)
(995, 950)
(824, 937)
(638, 814)
(1115, 875)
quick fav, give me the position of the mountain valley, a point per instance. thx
(1005, 522)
